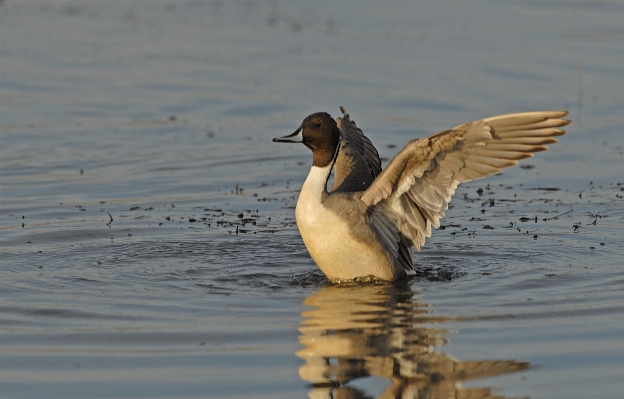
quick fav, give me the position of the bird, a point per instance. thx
(364, 227)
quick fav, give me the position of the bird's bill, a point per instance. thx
(296, 137)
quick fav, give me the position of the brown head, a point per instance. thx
(319, 133)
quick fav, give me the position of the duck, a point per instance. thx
(366, 224)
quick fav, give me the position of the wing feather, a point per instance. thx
(529, 140)
(494, 162)
(415, 220)
(357, 164)
(386, 230)
(501, 154)
(505, 146)
(416, 187)
(392, 234)
(550, 132)
(426, 195)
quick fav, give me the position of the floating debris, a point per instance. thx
(558, 216)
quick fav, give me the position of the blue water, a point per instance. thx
(160, 116)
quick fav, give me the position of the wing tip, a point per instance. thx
(553, 114)
(527, 155)
(540, 148)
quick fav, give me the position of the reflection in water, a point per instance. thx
(361, 331)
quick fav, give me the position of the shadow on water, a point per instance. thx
(385, 331)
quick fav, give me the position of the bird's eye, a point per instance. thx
(317, 124)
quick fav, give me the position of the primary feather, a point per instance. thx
(417, 185)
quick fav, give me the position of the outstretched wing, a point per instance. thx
(358, 163)
(415, 188)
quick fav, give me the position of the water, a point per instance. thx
(159, 115)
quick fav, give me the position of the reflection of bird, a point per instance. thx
(355, 332)
(368, 222)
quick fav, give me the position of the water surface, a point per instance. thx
(148, 243)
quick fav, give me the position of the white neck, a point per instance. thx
(316, 182)
(313, 189)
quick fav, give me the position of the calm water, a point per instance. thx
(148, 245)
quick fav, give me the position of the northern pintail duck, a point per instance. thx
(367, 223)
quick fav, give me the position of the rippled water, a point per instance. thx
(148, 243)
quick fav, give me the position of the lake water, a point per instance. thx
(148, 246)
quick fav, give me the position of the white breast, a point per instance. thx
(328, 238)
